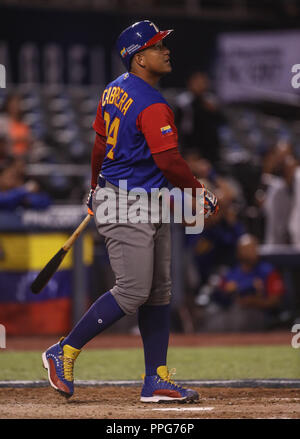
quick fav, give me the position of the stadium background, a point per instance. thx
(58, 57)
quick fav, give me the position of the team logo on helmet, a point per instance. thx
(123, 52)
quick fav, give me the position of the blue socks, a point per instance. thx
(154, 325)
(102, 314)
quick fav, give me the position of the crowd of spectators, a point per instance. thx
(229, 286)
(17, 190)
(257, 183)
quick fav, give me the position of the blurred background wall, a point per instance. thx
(237, 110)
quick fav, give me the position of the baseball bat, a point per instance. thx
(47, 272)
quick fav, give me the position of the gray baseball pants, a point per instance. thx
(140, 257)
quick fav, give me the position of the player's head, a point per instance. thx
(247, 249)
(134, 42)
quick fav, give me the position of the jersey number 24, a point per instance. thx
(112, 130)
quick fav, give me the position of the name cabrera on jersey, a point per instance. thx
(137, 122)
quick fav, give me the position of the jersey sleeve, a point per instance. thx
(98, 124)
(156, 122)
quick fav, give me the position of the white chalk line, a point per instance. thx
(271, 383)
(184, 409)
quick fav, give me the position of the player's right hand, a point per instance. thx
(89, 202)
(211, 206)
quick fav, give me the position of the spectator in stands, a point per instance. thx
(17, 131)
(200, 167)
(216, 245)
(280, 192)
(203, 169)
(16, 192)
(250, 294)
(206, 255)
(198, 118)
(291, 175)
(272, 195)
(4, 149)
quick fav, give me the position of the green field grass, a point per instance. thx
(190, 363)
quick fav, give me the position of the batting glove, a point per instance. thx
(89, 202)
(211, 206)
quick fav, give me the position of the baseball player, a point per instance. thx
(136, 142)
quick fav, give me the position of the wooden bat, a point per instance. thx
(47, 272)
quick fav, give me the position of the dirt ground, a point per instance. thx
(111, 402)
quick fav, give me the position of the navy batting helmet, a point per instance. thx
(137, 37)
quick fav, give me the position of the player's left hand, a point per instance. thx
(211, 206)
(89, 202)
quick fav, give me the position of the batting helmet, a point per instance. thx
(137, 37)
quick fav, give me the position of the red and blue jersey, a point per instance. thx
(137, 122)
